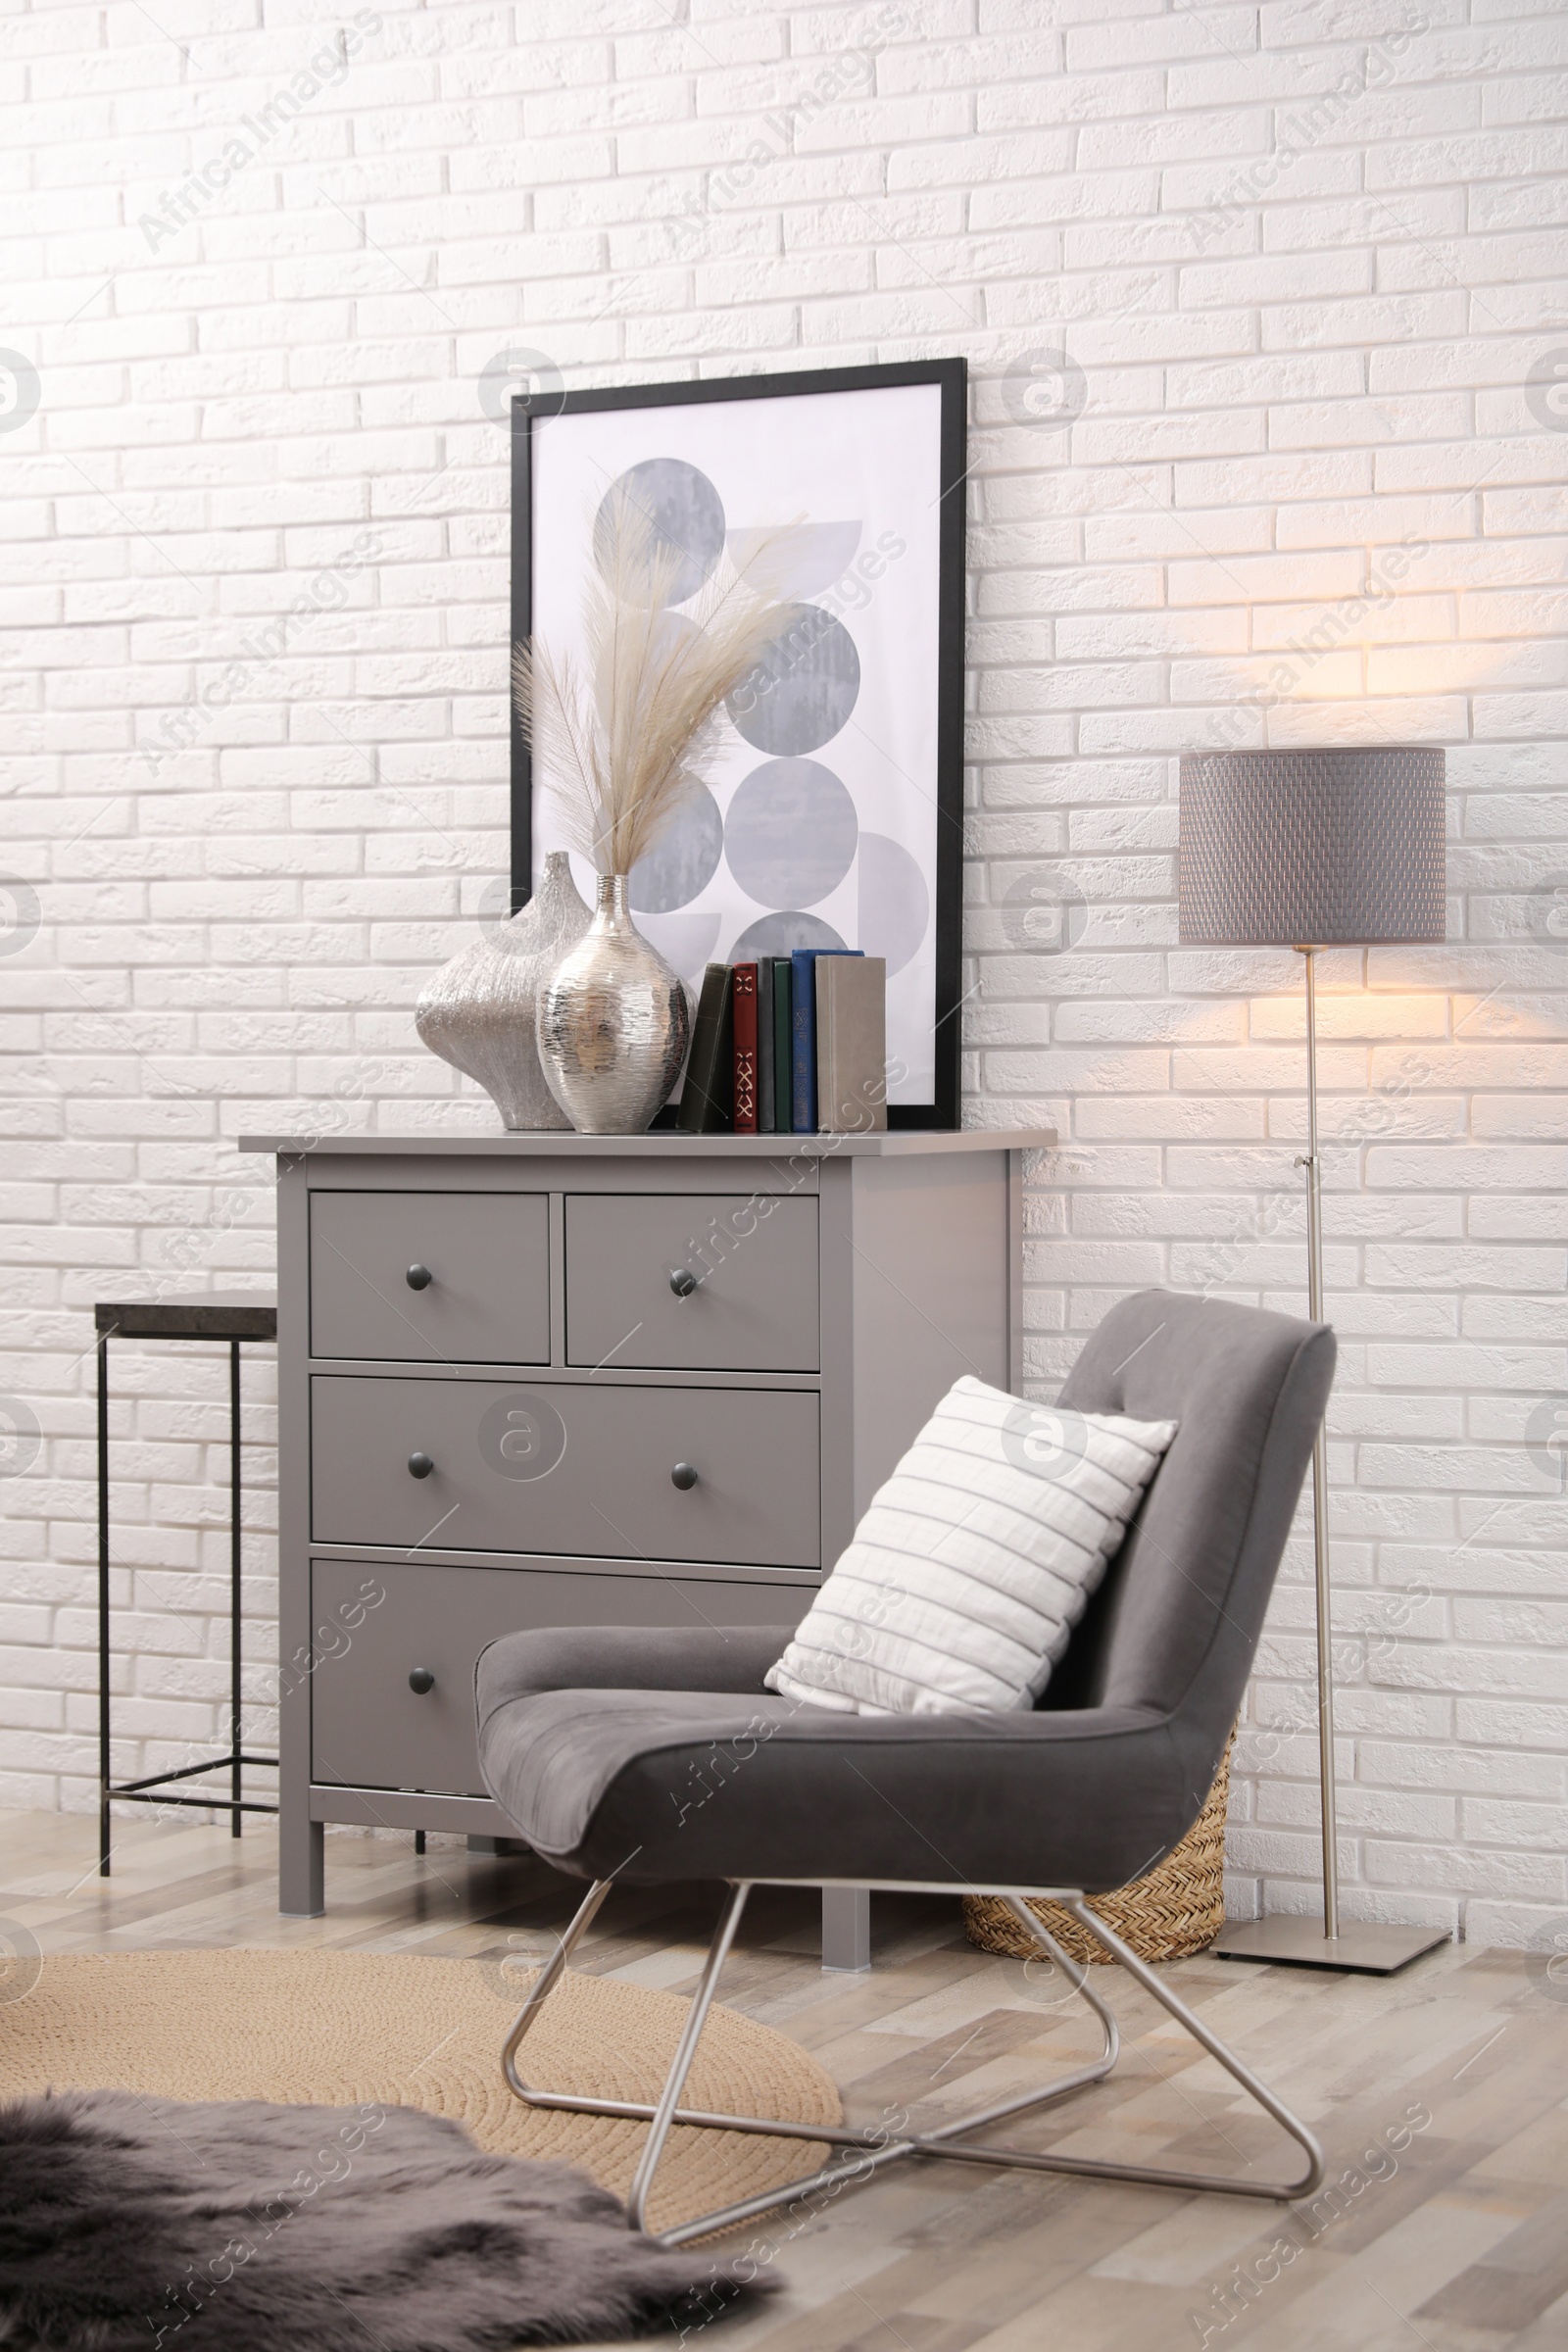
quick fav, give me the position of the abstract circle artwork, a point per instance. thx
(781, 934)
(805, 687)
(683, 860)
(790, 834)
(684, 514)
(790, 539)
(685, 940)
(797, 558)
(895, 905)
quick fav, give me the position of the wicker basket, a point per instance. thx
(1175, 1910)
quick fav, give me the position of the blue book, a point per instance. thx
(803, 1034)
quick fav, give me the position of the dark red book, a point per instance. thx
(745, 991)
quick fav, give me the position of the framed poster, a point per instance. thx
(833, 814)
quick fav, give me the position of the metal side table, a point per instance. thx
(231, 1316)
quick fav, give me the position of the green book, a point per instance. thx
(706, 1096)
(783, 1046)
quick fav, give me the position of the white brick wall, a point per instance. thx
(1305, 256)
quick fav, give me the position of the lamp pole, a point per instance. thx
(1312, 1163)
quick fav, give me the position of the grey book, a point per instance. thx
(851, 1045)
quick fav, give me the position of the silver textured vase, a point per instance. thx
(613, 1023)
(478, 1011)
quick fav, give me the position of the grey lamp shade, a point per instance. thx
(1311, 849)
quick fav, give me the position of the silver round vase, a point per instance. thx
(613, 1023)
(478, 1011)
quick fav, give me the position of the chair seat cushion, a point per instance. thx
(658, 1755)
(604, 1773)
(975, 1559)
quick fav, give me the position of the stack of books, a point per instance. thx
(790, 1045)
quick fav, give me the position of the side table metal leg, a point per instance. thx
(237, 1788)
(846, 1929)
(102, 1604)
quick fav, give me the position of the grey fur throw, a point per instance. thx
(135, 2225)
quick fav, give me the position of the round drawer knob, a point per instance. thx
(421, 1681)
(683, 1476)
(683, 1282)
(420, 1465)
(419, 1278)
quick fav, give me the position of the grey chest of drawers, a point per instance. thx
(562, 1380)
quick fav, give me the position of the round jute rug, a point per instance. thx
(342, 2029)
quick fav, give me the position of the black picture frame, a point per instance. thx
(951, 376)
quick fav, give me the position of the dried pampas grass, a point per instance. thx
(624, 747)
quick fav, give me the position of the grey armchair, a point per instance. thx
(658, 1756)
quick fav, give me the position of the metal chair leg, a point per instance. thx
(1148, 2176)
(868, 2152)
(666, 2113)
(873, 2148)
(685, 2052)
(1237, 2068)
(542, 1987)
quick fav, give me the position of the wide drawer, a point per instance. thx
(562, 1468)
(370, 1730)
(487, 1255)
(704, 1282)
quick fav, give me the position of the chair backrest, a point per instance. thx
(1176, 1621)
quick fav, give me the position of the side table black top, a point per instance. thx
(207, 1315)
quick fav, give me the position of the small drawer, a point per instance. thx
(487, 1256)
(376, 1625)
(693, 1283)
(566, 1468)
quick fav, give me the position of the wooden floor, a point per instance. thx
(1441, 2096)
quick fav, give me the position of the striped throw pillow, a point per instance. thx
(974, 1561)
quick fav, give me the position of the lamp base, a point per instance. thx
(1362, 1947)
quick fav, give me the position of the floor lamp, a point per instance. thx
(1308, 850)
